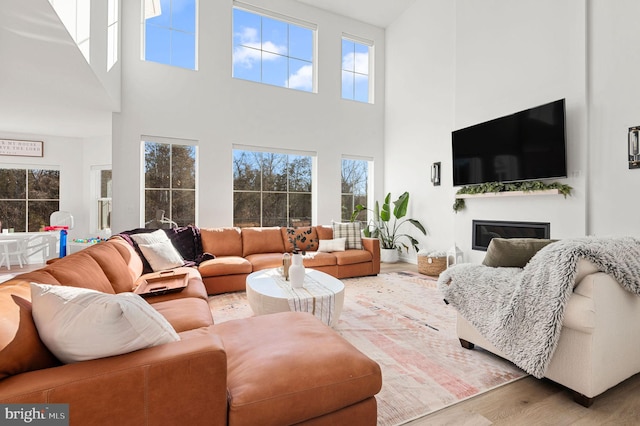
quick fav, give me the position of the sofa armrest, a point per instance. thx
(372, 245)
(181, 382)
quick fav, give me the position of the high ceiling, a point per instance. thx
(380, 13)
(46, 86)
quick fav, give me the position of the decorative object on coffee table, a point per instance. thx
(296, 271)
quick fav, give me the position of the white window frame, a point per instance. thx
(143, 34)
(371, 73)
(169, 141)
(288, 20)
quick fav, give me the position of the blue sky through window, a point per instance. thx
(355, 71)
(271, 51)
(170, 36)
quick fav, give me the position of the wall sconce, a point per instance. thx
(435, 174)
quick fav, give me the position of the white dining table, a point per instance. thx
(6, 239)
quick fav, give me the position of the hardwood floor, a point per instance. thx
(530, 401)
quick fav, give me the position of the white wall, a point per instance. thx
(474, 61)
(73, 157)
(615, 106)
(217, 111)
(419, 116)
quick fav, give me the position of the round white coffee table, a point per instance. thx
(322, 294)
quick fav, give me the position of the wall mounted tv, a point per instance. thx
(527, 145)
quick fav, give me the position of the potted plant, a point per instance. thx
(385, 225)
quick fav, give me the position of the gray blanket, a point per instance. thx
(520, 311)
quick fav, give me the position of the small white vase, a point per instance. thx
(296, 271)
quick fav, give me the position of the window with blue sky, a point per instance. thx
(356, 70)
(274, 50)
(170, 32)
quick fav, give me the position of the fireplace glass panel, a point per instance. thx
(485, 230)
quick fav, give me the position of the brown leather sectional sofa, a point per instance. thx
(276, 369)
(239, 252)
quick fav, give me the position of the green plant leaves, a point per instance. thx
(495, 187)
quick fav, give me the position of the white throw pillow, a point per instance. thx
(158, 250)
(79, 324)
(328, 246)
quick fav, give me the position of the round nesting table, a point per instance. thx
(322, 294)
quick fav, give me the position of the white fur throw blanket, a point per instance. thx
(520, 311)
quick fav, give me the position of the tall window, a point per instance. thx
(279, 52)
(76, 17)
(169, 185)
(112, 33)
(104, 200)
(28, 197)
(356, 70)
(271, 189)
(170, 32)
(355, 187)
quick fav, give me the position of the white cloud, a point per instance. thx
(248, 51)
(358, 61)
(302, 79)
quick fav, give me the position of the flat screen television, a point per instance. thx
(527, 145)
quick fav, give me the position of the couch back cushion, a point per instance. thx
(221, 241)
(21, 349)
(110, 267)
(307, 238)
(324, 232)
(261, 240)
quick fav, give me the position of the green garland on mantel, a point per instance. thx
(495, 187)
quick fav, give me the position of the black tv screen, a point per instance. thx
(527, 145)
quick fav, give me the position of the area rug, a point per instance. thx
(400, 320)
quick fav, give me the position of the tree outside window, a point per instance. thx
(355, 183)
(169, 185)
(271, 189)
(28, 197)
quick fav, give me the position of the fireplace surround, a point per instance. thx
(484, 230)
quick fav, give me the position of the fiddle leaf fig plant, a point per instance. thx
(386, 223)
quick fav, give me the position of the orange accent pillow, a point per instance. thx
(306, 242)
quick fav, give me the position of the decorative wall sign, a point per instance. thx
(21, 148)
(634, 147)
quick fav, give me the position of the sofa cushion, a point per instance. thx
(261, 240)
(316, 259)
(222, 241)
(78, 324)
(81, 270)
(324, 232)
(307, 238)
(328, 246)
(352, 231)
(351, 257)
(267, 385)
(225, 265)
(21, 348)
(265, 260)
(185, 314)
(512, 252)
(158, 250)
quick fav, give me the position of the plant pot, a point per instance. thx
(389, 255)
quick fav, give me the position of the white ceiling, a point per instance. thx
(380, 13)
(46, 86)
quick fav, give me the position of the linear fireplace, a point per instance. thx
(485, 230)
